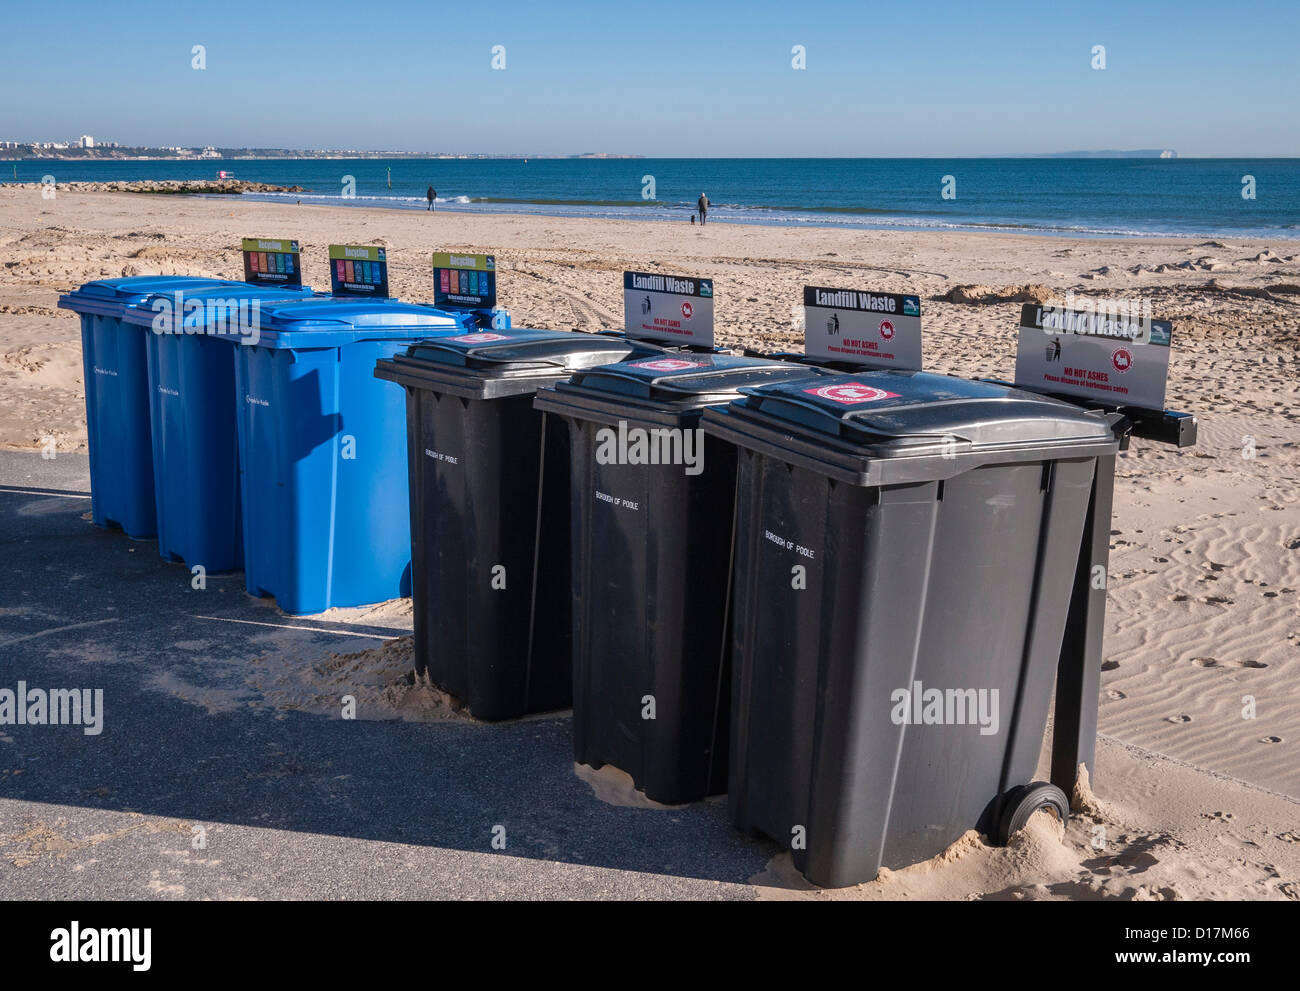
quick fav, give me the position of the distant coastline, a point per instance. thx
(11, 152)
(46, 151)
(1165, 153)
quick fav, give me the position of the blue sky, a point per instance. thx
(661, 79)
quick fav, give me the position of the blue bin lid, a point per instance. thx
(111, 297)
(145, 311)
(327, 322)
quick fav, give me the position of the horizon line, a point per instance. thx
(620, 156)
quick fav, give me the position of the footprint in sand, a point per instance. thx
(1222, 816)
(1270, 739)
(1205, 662)
(1247, 664)
(1109, 665)
(1180, 718)
(1115, 694)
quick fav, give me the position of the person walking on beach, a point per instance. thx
(431, 195)
(703, 206)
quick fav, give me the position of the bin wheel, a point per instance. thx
(1022, 802)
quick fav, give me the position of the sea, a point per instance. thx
(1104, 197)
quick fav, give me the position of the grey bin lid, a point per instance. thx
(683, 380)
(493, 364)
(848, 424)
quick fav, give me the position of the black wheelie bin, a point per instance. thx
(905, 554)
(489, 487)
(652, 502)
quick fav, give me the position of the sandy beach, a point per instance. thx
(1192, 799)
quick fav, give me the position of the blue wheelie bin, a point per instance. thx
(192, 414)
(117, 396)
(323, 484)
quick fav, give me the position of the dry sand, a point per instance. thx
(1197, 801)
(287, 669)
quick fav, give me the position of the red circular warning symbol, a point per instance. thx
(851, 392)
(886, 330)
(480, 338)
(667, 364)
(687, 310)
(1122, 359)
